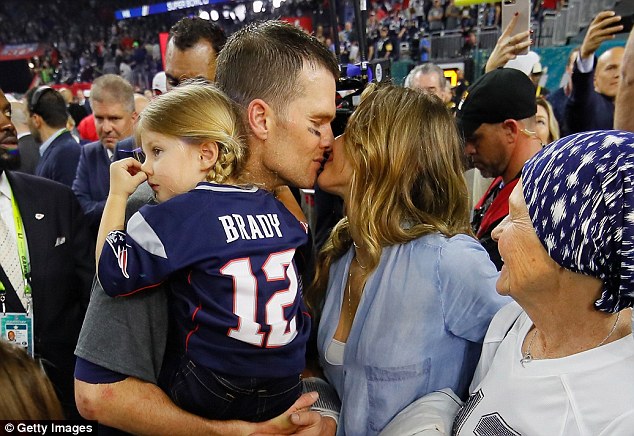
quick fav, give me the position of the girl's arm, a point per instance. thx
(125, 177)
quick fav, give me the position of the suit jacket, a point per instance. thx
(92, 182)
(586, 109)
(29, 154)
(60, 160)
(61, 252)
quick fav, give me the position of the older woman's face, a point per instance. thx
(337, 174)
(542, 122)
(527, 266)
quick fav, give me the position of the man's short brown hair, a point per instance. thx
(264, 60)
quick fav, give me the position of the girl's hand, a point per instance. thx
(125, 176)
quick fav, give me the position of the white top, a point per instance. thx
(6, 209)
(334, 353)
(589, 393)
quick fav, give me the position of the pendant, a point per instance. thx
(527, 358)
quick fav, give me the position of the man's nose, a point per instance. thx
(327, 138)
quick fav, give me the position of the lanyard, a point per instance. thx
(23, 254)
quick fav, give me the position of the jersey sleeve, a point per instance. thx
(137, 259)
(467, 279)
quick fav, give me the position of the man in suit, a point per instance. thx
(59, 151)
(113, 108)
(29, 149)
(60, 264)
(595, 82)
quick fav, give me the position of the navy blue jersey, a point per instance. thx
(228, 253)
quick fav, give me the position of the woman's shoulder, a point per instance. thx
(505, 320)
(438, 241)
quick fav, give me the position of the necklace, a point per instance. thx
(349, 296)
(359, 263)
(356, 259)
(528, 357)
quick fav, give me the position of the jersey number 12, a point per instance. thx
(277, 267)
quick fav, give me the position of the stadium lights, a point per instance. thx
(277, 3)
(241, 12)
(215, 16)
(204, 15)
(257, 6)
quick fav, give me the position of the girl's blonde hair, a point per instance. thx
(196, 112)
(27, 393)
(407, 177)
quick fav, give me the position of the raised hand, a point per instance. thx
(508, 47)
(602, 28)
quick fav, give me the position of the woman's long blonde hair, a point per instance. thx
(407, 177)
(27, 393)
(195, 112)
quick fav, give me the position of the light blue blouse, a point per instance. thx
(418, 328)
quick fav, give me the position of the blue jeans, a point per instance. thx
(209, 394)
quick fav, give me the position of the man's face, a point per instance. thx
(299, 137)
(9, 154)
(429, 83)
(32, 125)
(487, 150)
(113, 121)
(607, 74)
(198, 61)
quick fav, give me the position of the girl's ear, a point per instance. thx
(208, 155)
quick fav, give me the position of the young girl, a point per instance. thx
(226, 249)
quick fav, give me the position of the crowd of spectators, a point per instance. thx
(83, 40)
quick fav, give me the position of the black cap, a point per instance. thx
(499, 95)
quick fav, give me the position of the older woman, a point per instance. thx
(561, 360)
(567, 247)
(403, 293)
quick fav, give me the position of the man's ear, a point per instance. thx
(258, 113)
(511, 129)
(37, 121)
(208, 154)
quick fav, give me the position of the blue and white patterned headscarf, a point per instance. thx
(580, 196)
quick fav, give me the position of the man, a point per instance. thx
(623, 119)
(114, 111)
(383, 47)
(192, 47)
(497, 118)
(429, 78)
(559, 98)
(59, 151)
(286, 94)
(29, 149)
(77, 111)
(191, 51)
(54, 284)
(594, 87)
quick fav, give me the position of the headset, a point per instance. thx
(36, 96)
